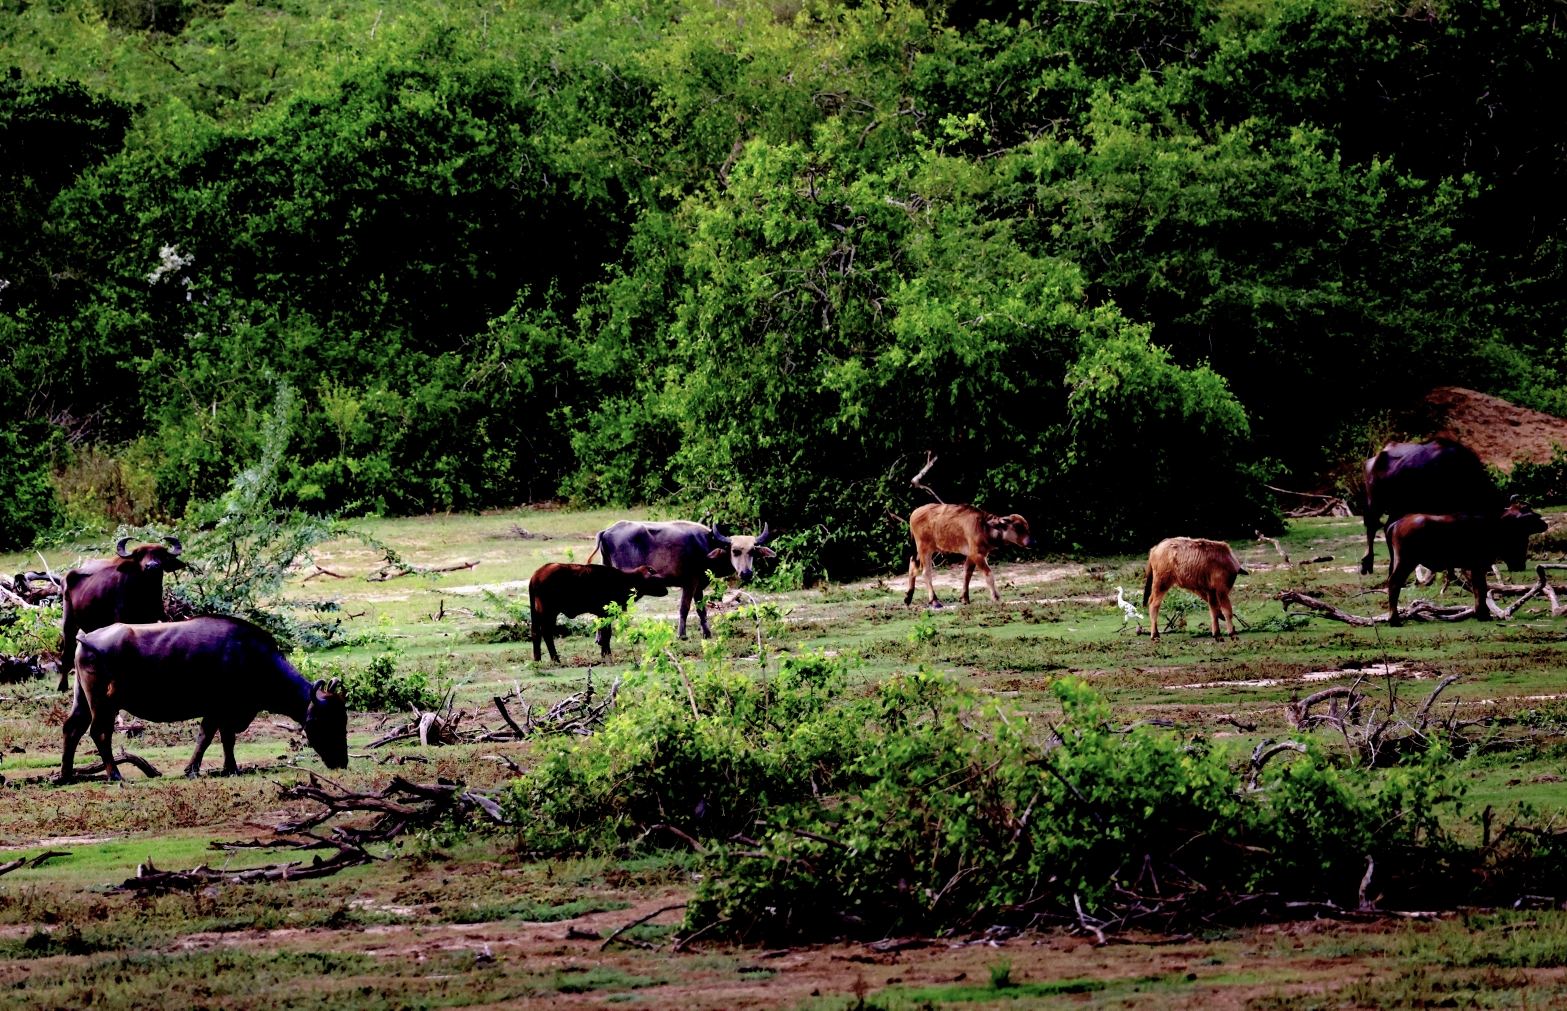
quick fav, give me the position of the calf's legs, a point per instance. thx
(926, 562)
(1156, 592)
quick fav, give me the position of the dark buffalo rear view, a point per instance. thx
(1440, 477)
(126, 588)
(220, 670)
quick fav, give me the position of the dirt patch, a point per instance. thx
(1500, 432)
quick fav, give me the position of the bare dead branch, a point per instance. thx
(917, 479)
(637, 923)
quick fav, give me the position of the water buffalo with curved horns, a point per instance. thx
(221, 670)
(126, 588)
(682, 552)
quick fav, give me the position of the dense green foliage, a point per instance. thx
(760, 257)
(923, 807)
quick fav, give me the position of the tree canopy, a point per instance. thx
(1118, 263)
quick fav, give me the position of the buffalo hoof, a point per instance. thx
(192, 773)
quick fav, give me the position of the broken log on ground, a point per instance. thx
(402, 806)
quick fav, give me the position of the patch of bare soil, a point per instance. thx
(1500, 432)
(1263, 961)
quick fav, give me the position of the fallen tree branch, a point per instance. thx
(638, 923)
(1418, 610)
(398, 569)
(1276, 545)
(500, 705)
(677, 832)
(148, 769)
(1263, 752)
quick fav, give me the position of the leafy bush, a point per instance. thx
(377, 687)
(31, 632)
(923, 808)
(756, 745)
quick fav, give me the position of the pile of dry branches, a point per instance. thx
(401, 806)
(575, 714)
(1371, 740)
(1425, 610)
(30, 589)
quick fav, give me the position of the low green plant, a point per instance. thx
(31, 632)
(377, 687)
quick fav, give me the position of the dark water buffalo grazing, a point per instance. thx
(1469, 543)
(221, 670)
(682, 552)
(128, 588)
(570, 590)
(960, 530)
(1439, 477)
(1206, 568)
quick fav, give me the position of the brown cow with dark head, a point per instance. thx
(127, 588)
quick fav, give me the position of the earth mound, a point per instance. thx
(1500, 432)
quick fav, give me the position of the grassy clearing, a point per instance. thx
(326, 941)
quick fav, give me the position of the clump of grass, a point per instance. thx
(534, 912)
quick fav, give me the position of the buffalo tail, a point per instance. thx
(1148, 585)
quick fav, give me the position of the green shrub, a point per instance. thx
(924, 806)
(377, 687)
(755, 746)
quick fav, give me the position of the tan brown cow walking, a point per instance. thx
(965, 530)
(1206, 568)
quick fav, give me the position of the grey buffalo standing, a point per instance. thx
(126, 588)
(222, 671)
(682, 552)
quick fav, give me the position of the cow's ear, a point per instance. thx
(718, 552)
(765, 552)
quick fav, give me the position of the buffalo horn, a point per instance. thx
(761, 538)
(334, 685)
(119, 547)
(175, 547)
(720, 538)
(320, 685)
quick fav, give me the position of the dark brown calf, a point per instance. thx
(1469, 543)
(1206, 568)
(128, 588)
(570, 590)
(960, 530)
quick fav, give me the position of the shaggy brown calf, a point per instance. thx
(1470, 543)
(557, 589)
(965, 530)
(1206, 568)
